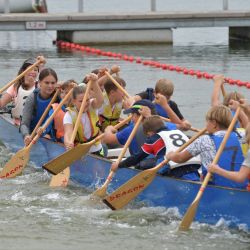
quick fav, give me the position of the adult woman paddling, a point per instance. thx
(19, 91)
(37, 102)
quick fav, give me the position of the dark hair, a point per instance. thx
(152, 124)
(109, 85)
(25, 65)
(46, 72)
(69, 84)
(85, 79)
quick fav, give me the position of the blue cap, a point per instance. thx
(137, 105)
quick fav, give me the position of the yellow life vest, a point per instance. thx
(94, 125)
(110, 115)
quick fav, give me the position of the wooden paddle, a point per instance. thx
(64, 160)
(133, 187)
(102, 191)
(18, 161)
(190, 214)
(117, 84)
(40, 59)
(62, 179)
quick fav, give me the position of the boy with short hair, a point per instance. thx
(218, 120)
(244, 173)
(160, 139)
(161, 96)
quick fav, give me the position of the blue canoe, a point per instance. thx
(231, 205)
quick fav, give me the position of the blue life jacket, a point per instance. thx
(237, 124)
(231, 159)
(40, 106)
(160, 110)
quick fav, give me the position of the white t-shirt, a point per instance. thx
(87, 128)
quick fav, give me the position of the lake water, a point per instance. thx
(34, 216)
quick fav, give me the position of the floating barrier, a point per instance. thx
(155, 64)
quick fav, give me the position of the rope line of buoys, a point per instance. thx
(156, 64)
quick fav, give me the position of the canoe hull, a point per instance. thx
(217, 202)
(91, 171)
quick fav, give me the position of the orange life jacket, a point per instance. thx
(58, 121)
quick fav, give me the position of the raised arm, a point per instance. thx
(162, 100)
(215, 98)
(97, 92)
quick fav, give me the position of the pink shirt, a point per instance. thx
(12, 91)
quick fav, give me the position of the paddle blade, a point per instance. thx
(64, 160)
(189, 216)
(102, 191)
(61, 179)
(128, 191)
(16, 164)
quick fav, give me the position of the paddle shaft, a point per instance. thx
(21, 75)
(121, 155)
(44, 113)
(130, 138)
(117, 84)
(79, 116)
(168, 120)
(49, 120)
(190, 214)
